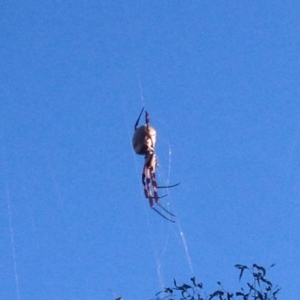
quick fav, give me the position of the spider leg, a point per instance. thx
(137, 121)
(154, 184)
(147, 191)
(167, 186)
(156, 197)
(147, 118)
(146, 183)
(165, 209)
(162, 215)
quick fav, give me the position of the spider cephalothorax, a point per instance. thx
(143, 141)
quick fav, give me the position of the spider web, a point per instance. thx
(159, 237)
(161, 233)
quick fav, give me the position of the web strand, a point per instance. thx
(181, 233)
(182, 236)
(186, 249)
(12, 239)
(140, 86)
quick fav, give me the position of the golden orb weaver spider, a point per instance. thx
(143, 142)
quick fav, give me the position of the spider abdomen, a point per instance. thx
(144, 139)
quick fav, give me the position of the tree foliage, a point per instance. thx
(258, 287)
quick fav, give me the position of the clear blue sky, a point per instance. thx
(221, 81)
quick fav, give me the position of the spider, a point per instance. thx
(143, 142)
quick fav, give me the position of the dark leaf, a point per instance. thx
(166, 290)
(184, 288)
(241, 274)
(200, 285)
(242, 268)
(263, 270)
(193, 279)
(175, 283)
(266, 281)
(272, 265)
(219, 283)
(260, 296)
(276, 292)
(257, 277)
(216, 293)
(239, 294)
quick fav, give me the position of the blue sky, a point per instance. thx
(220, 81)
